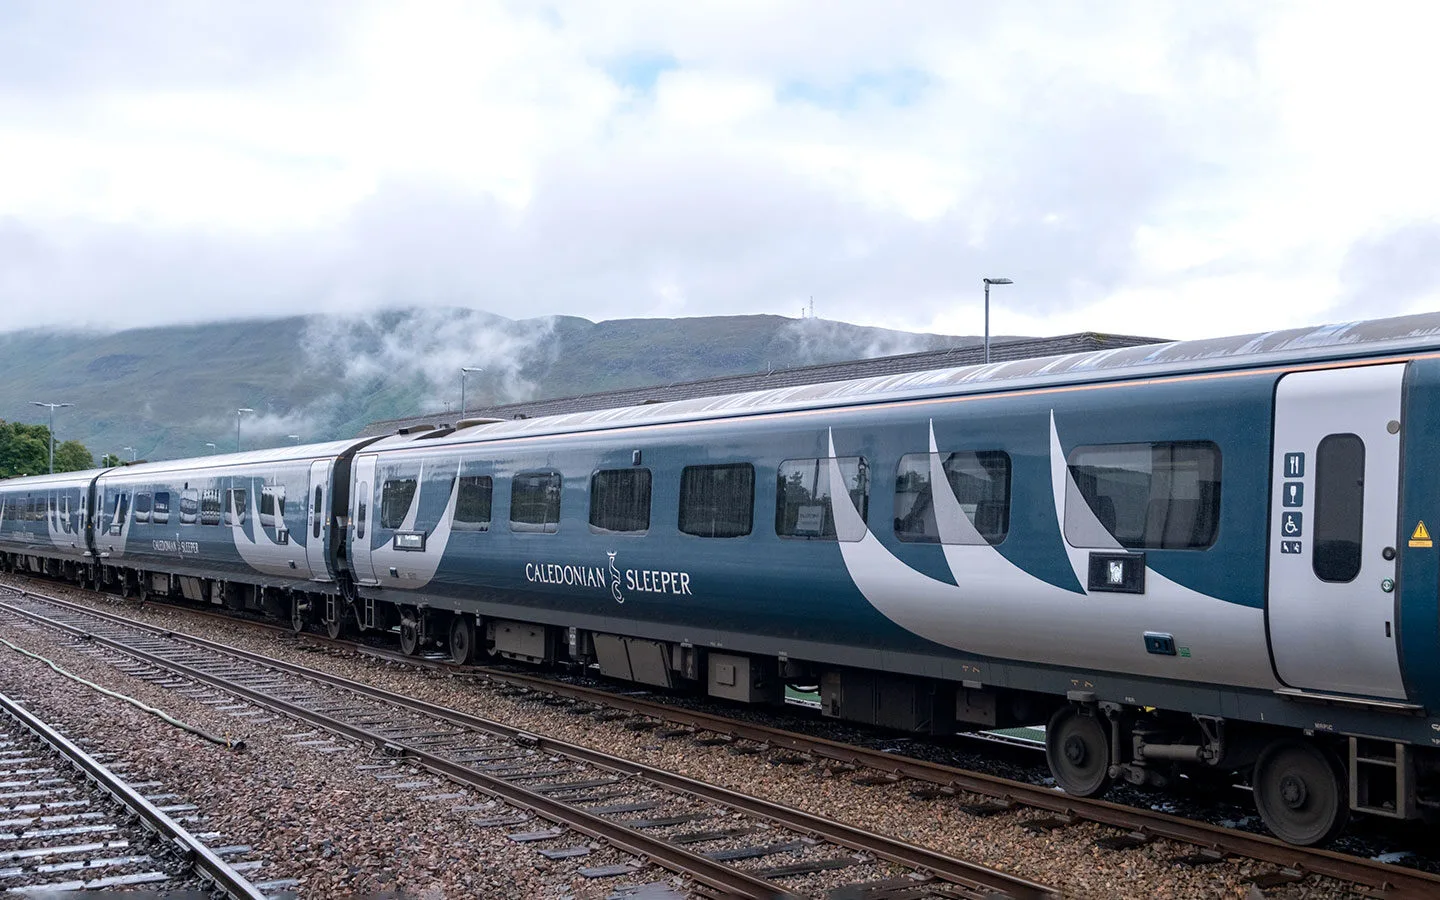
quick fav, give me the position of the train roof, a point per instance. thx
(292, 453)
(59, 479)
(1404, 334)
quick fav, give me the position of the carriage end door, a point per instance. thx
(317, 522)
(362, 519)
(1334, 509)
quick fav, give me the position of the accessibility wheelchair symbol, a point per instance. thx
(1292, 524)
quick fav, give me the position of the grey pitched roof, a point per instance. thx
(1000, 351)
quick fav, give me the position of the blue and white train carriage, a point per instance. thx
(1198, 557)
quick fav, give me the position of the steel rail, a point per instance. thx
(191, 849)
(733, 882)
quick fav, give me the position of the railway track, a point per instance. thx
(727, 844)
(69, 823)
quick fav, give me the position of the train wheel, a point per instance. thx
(462, 639)
(1300, 790)
(337, 625)
(409, 634)
(299, 607)
(1078, 750)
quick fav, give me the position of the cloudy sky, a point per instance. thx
(1169, 168)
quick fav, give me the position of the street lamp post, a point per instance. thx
(295, 436)
(132, 452)
(464, 371)
(988, 282)
(238, 413)
(211, 445)
(52, 407)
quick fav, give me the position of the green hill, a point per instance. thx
(166, 392)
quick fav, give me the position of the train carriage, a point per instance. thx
(1186, 560)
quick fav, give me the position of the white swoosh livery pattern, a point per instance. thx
(416, 569)
(997, 609)
(261, 553)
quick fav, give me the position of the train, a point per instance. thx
(1187, 561)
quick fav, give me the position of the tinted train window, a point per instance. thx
(1163, 496)
(1339, 507)
(473, 503)
(980, 483)
(210, 507)
(535, 502)
(362, 508)
(160, 508)
(189, 506)
(717, 501)
(142, 506)
(236, 506)
(803, 495)
(318, 513)
(620, 500)
(396, 495)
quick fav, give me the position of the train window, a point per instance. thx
(717, 501)
(236, 506)
(362, 509)
(535, 502)
(272, 505)
(472, 503)
(620, 500)
(1339, 507)
(160, 508)
(210, 507)
(1162, 496)
(318, 513)
(142, 506)
(189, 506)
(396, 495)
(979, 481)
(803, 494)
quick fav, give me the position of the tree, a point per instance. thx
(72, 456)
(25, 450)
(109, 461)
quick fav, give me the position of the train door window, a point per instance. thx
(620, 501)
(160, 508)
(717, 501)
(980, 482)
(804, 493)
(119, 511)
(318, 511)
(535, 502)
(189, 506)
(396, 496)
(142, 506)
(473, 503)
(236, 506)
(1161, 496)
(1339, 507)
(363, 492)
(210, 507)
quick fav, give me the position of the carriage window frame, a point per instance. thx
(797, 527)
(1341, 522)
(474, 496)
(615, 509)
(237, 506)
(549, 487)
(211, 510)
(140, 508)
(976, 458)
(189, 506)
(701, 492)
(393, 508)
(160, 508)
(1207, 510)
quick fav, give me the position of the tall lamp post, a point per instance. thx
(295, 436)
(988, 282)
(132, 452)
(211, 445)
(52, 407)
(464, 371)
(238, 413)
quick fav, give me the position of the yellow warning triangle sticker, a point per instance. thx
(1421, 533)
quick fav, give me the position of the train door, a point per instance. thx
(317, 530)
(1334, 509)
(362, 519)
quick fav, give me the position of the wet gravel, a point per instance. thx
(433, 836)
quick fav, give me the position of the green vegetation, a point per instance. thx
(25, 450)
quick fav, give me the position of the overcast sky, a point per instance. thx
(1177, 169)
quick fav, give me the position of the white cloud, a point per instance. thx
(1162, 168)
